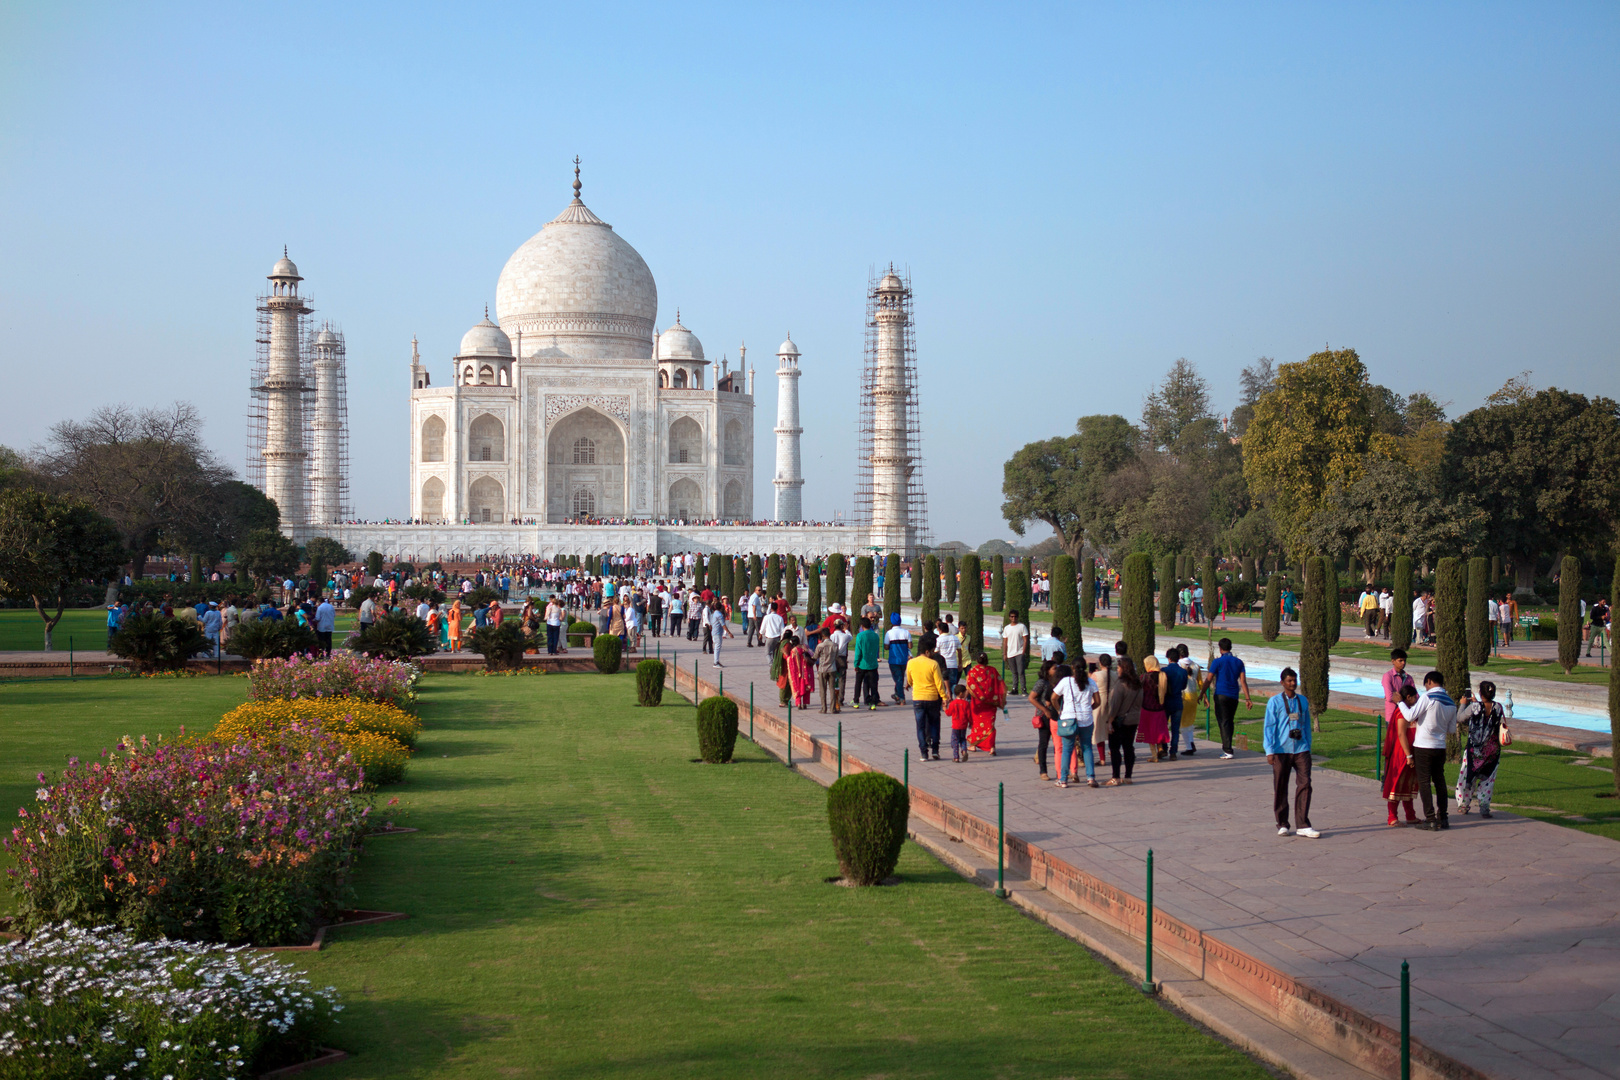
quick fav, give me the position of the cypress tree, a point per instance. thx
(951, 580)
(1313, 637)
(1496, 569)
(813, 587)
(1168, 587)
(1479, 613)
(891, 586)
(1335, 609)
(744, 586)
(1569, 614)
(1251, 572)
(790, 579)
(1136, 605)
(1614, 678)
(915, 576)
(930, 596)
(836, 569)
(1088, 588)
(1270, 612)
(1181, 567)
(728, 578)
(970, 613)
(1066, 605)
(1212, 589)
(773, 576)
(756, 572)
(1018, 594)
(998, 583)
(1451, 624)
(1400, 630)
(861, 584)
(1029, 570)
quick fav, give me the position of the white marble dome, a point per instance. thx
(578, 281)
(679, 344)
(285, 268)
(485, 339)
(788, 348)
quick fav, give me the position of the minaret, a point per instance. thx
(891, 462)
(419, 374)
(326, 467)
(284, 457)
(789, 482)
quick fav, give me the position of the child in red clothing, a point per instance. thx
(960, 710)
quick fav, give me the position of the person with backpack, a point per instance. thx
(898, 644)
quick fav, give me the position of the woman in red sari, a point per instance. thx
(801, 672)
(987, 692)
(1400, 777)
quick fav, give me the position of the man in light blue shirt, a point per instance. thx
(325, 623)
(210, 625)
(1288, 748)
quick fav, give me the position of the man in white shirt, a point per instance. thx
(423, 610)
(1492, 613)
(554, 621)
(1431, 716)
(840, 638)
(1015, 649)
(1386, 605)
(753, 610)
(949, 648)
(770, 632)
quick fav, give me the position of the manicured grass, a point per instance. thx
(1543, 782)
(587, 901)
(23, 629)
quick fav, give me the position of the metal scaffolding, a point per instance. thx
(326, 354)
(920, 535)
(258, 398)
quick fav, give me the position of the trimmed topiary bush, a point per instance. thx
(1136, 606)
(1018, 593)
(581, 634)
(502, 646)
(790, 579)
(970, 612)
(1212, 589)
(1400, 628)
(717, 729)
(1335, 609)
(1271, 613)
(1313, 637)
(1569, 613)
(650, 675)
(1088, 588)
(1066, 604)
(930, 590)
(1169, 585)
(998, 583)
(868, 813)
(1478, 619)
(837, 579)
(395, 636)
(891, 587)
(951, 579)
(271, 639)
(607, 649)
(158, 643)
(773, 576)
(1451, 624)
(861, 583)
(812, 604)
(916, 578)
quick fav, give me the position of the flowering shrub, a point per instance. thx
(339, 675)
(246, 841)
(339, 715)
(93, 1003)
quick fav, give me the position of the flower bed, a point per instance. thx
(93, 1003)
(244, 841)
(377, 737)
(339, 675)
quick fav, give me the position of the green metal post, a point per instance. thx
(722, 684)
(659, 647)
(751, 713)
(840, 748)
(1406, 1021)
(1001, 840)
(906, 775)
(790, 736)
(1379, 766)
(694, 681)
(1206, 720)
(1147, 983)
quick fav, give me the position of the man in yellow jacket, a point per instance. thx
(928, 694)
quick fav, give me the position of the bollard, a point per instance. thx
(906, 773)
(694, 682)
(1406, 1021)
(1001, 840)
(722, 684)
(1147, 983)
(840, 749)
(1379, 756)
(751, 713)
(675, 670)
(789, 761)
(70, 656)
(660, 649)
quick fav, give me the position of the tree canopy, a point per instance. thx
(1062, 482)
(268, 555)
(1390, 511)
(49, 545)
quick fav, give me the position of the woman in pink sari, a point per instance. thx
(1155, 726)
(1400, 778)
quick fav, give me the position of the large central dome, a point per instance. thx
(578, 286)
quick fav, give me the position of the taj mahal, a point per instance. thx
(567, 423)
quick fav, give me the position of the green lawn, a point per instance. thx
(1542, 782)
(587, 901)
(23, 629)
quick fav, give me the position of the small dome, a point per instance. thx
(679, 343)
(285, 268)
(485, 339)
(891, 283)
(326, 337)
(788, 348)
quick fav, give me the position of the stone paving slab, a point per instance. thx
(1512, 926)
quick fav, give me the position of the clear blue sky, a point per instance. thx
(1082, 194)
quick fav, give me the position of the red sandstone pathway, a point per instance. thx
(1512, 926)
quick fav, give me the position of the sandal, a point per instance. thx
(1112, 783)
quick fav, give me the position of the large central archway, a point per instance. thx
(584, 468)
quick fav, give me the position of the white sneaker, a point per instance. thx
(1225, 756)
(1282, 830)
(1308, 833)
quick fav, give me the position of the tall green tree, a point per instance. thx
(1270, 614)
(756, 572)
(1392, 510)
(1451, 624)
(970, 614)
(268, 556)
(1478, 619)
(1066, 604)
(374, 563)
(1136, 605)
(951, 579)
(1614, 681)
(773, 576)
(728, 575)
(1063, 482)
(1168, 587)
(739, 576)
(930, 595)
(1313, 431)
(1212, 590)
(998, 583)
(1569, 613)
(891, 586)
(790, 579)
(48, 545)
(1313, 636)
(813, 587)
(837, 570)
(1335, 608)
(1018, 593)
(1531, 458)
(1088, 588)
(861, 584)
(915, 576)
(1400, 630)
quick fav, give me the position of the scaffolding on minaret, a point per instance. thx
(326, 354)
(919, 534)
(258, 414)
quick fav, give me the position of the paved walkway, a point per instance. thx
(1512, 926)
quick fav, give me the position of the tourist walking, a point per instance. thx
(1078, 699)
(986, 693)
(867, 647)
(1400, 778)
(961, 716)
(801, 672)
(1124, 711)
(1227, 674)
(1154, 726)
(1045, 719)
(325, 623)
(826, 656)
(1175, 678)
(719, 630)
(898, 643)
(1430, 717)
(1103, 678)
(1288, 749)
(1482, 719)
(452, 624)
(928, 693)
(1015, 650)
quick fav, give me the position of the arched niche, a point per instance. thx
(585, 451)
(685, 500)
(486, 439)
(731, 502)
(486, 500)
(735, 446)
(685, 442)
(433, 439)
(433, 499)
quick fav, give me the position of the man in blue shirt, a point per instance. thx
(1288, 748)
(1227, 673)
(210, 625)
(898, 642)
(1175, 677)
(325, 623)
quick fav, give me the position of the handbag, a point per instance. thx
(1505, 737)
